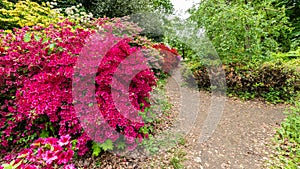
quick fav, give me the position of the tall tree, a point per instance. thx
(119, 8)
(116, 8)
(293, 12)
(242, 30)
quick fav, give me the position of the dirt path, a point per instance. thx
(241, 137)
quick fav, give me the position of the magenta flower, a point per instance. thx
(69, 166)
(29, 166)
(64, 140)
(49, 157)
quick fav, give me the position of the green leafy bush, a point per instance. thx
(276, 80)
(60, 3)
(287, 141)
(119, 8)
(293, 12)
(243, 30)
(25, 13)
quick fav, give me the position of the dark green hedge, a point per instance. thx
(274, 81)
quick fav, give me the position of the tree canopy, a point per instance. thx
(243, 29)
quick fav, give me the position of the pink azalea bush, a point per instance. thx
(36, 86)
(39, 69)
(45, 153)
(36, 74)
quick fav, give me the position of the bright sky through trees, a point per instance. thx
(181, 6)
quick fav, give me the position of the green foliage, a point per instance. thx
(248, 37)
(116, 8)
(11, 165)
(151, 23)
(159, 105)
(293, 12)
(183, 48)
(7, 166)
(60, 3)
(119, 8)
(147, 115)
(25, 13)
(177, 159)
(98, 148)
(151, 145)
(242, 30)
(276, 80)
(76, 13)
(287, 141)
(39, 12)
(290, 56)
(107, 145)
(165, 6)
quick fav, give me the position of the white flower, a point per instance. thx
(53, 3)
(79, 5)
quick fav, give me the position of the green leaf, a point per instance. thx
(44, 134)
(45, 40)
(51, 46)
(27, 37)
(74, 142)
(7, 166)
(121, 145)
(107, 145)
(96, 149)
(37, 38)
(60, 49)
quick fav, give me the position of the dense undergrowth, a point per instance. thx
(287, 139)
(275, 80)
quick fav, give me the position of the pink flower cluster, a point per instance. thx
(123, 84)
(46, 153)
(171, 58)
(36, 77)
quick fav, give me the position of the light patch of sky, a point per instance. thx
(181, 7)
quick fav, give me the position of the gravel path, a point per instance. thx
(241, 137)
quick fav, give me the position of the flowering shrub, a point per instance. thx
(117, 117)
(36, 70)
(44, 153)
(36, 73)
(75, 13)
(25, 13)
(28, 13)
(171, 57)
